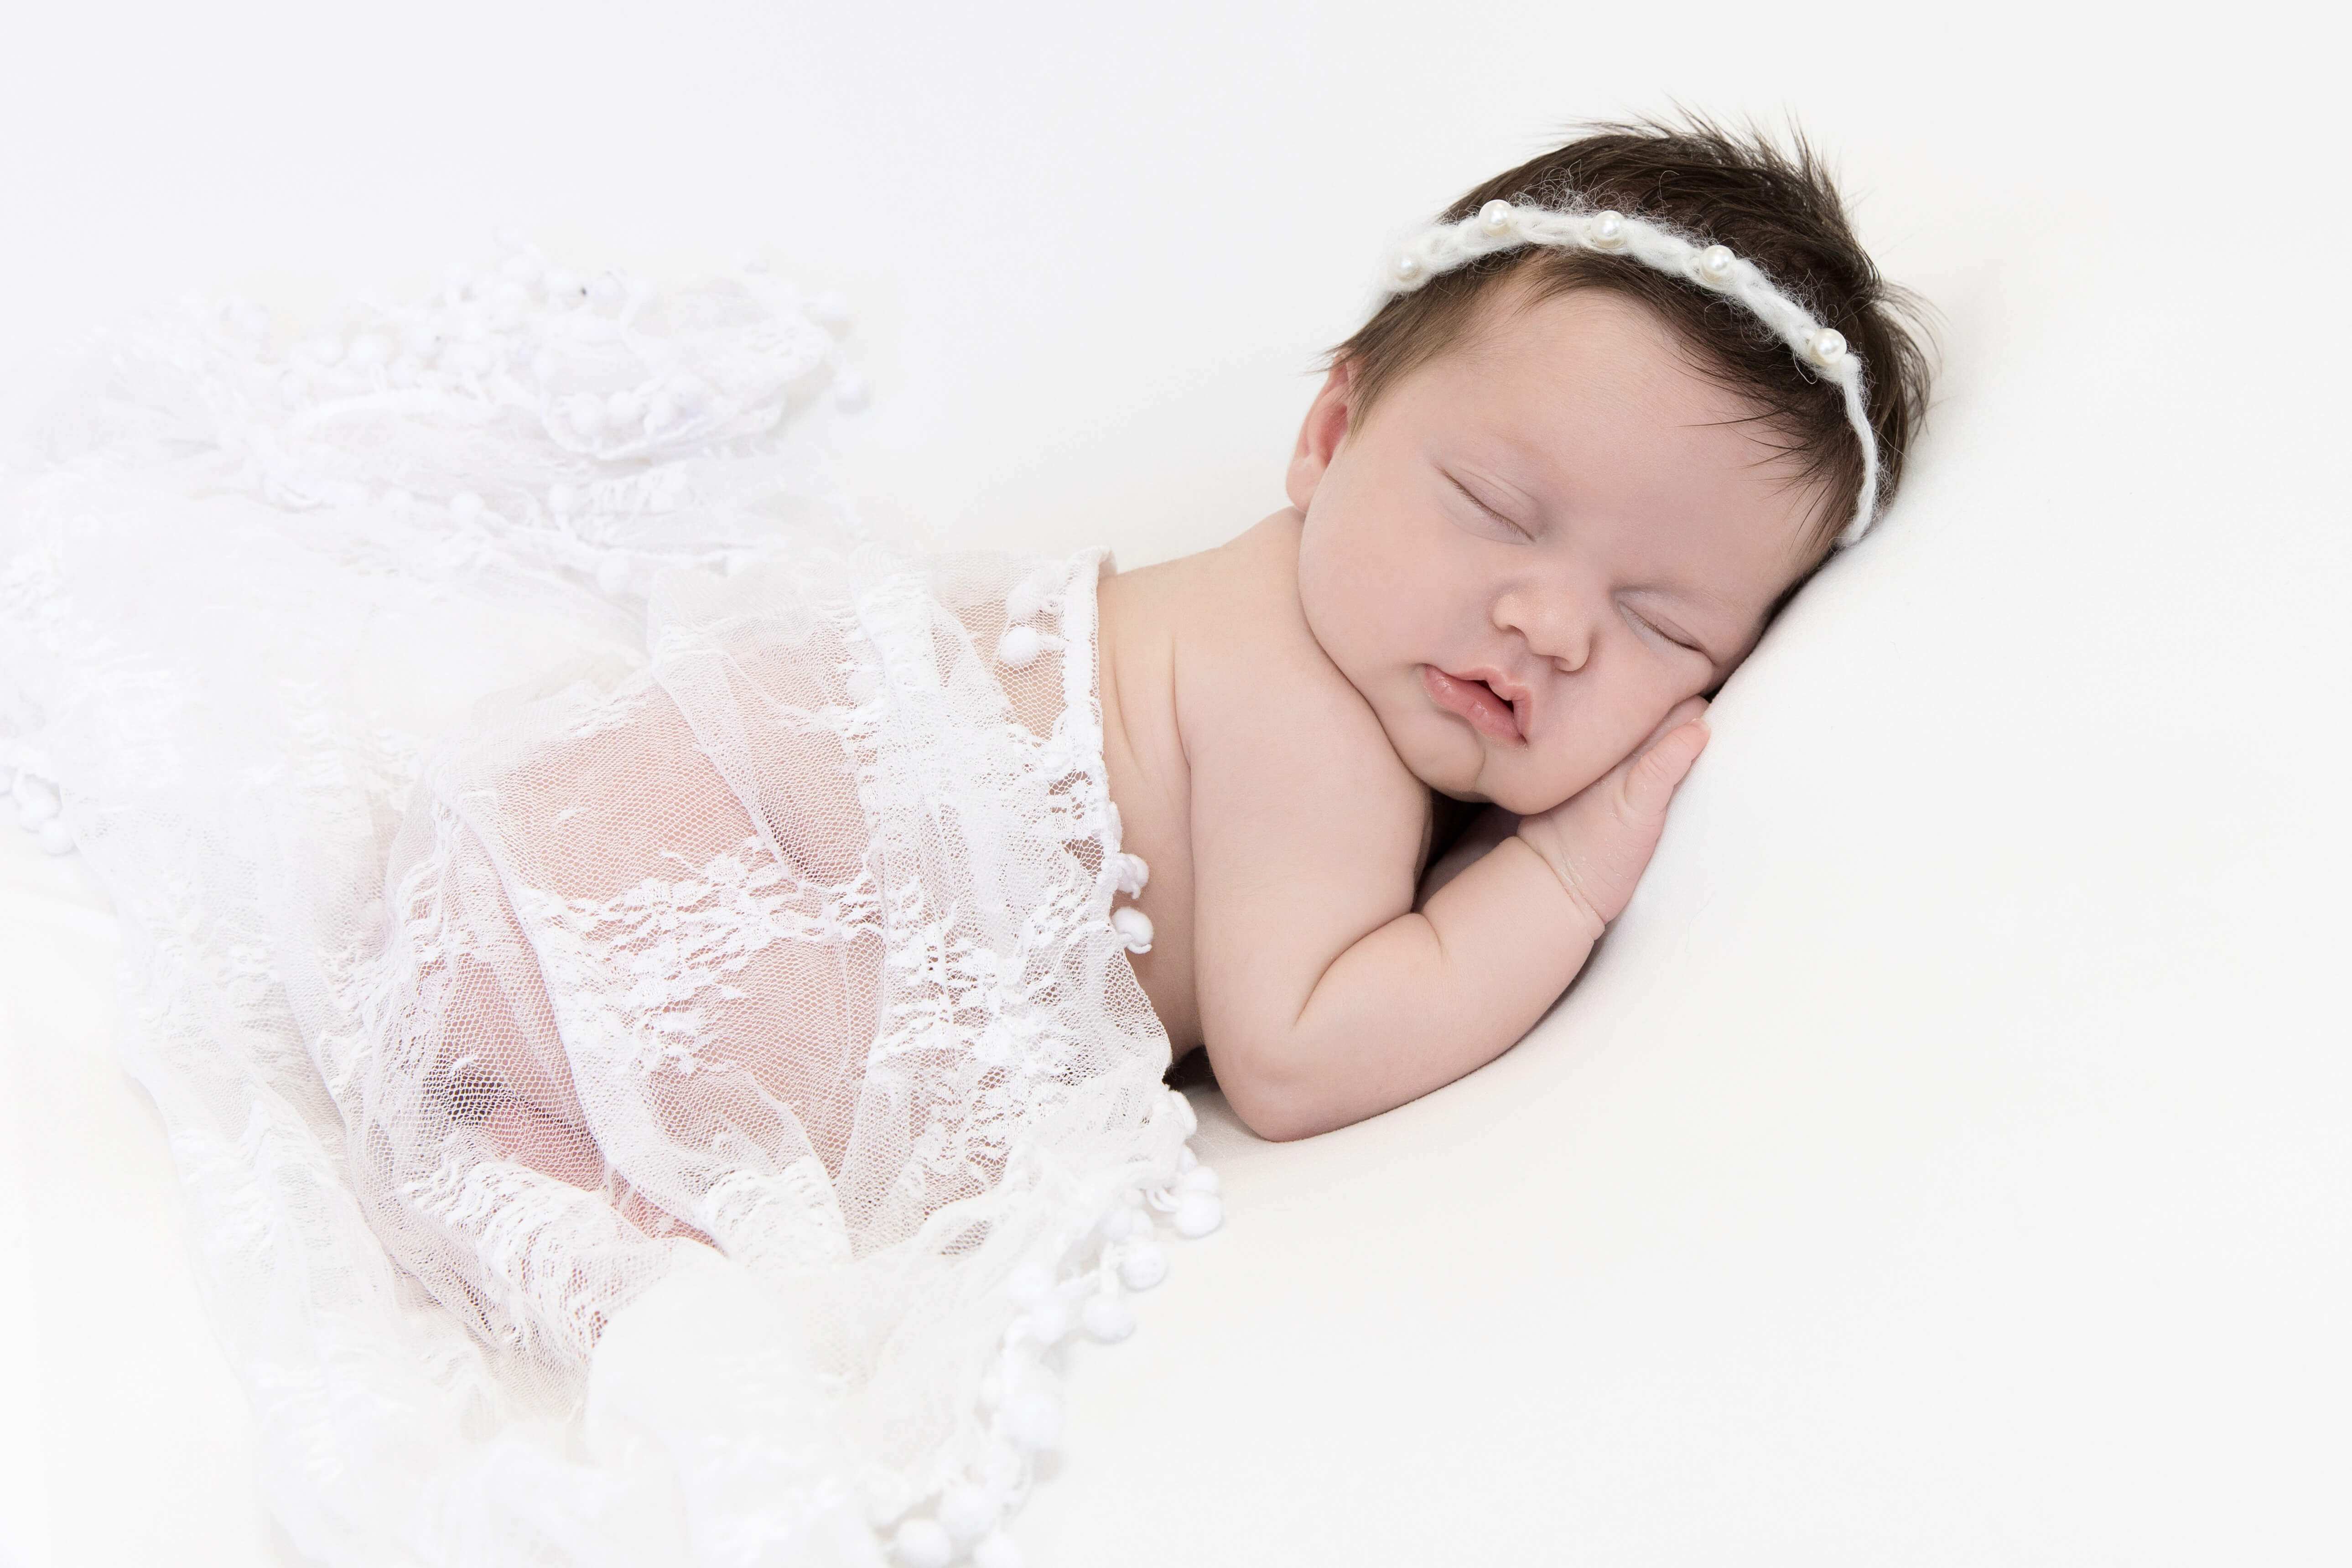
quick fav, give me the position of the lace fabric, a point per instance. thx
(625, 954)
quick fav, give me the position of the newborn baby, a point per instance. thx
(565, 865)
(1539, 511)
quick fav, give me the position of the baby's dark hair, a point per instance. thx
(1776, 208)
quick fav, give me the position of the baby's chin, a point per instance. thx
(1471, 771)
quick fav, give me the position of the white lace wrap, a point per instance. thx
(626, 956)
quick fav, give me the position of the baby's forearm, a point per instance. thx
(1423, 999)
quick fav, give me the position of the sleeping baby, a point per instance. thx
(563, 855)
(1545, 502)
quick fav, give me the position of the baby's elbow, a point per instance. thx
(1278, 1106)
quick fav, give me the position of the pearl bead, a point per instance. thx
(1107, 1319)
(1608, 231)
(1408, 268)
(1495, 217)
(1019, 646)
(967, 1511)
(922, 1543)
(1033, 1418)
(1144, 1268)
(1198, 1213)
(997, 1551)
(1134, 928)
(1715, 262)
(1828, 346)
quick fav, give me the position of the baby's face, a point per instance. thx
(1562, 508)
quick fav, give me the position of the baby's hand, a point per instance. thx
(1600, 841)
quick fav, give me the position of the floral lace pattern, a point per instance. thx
(627, 957)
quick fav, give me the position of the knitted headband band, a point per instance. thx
(1506, 226)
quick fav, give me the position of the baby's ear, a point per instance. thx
(1319, 435)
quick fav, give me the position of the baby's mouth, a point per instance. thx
(1472, 701)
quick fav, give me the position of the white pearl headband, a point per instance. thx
(1506, 226)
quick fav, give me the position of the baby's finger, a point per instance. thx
(1680, 714)
(1657, 772)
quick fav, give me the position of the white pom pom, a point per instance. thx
(851, 392)
(1198, 1213)
(967, 1511)
(612, 573)
(37, 799)
(1019, 646)
(1033, 1419)
(829, 309)
(563, 288)
(1142, 1269)
(53, 837)
(367, 352)
(605, 293)
(1025, 600)
(1199, 1179)
(1107, 1319)
(922, 1543)
(996, 1552)
(584, 411)
(1134, 874)
(1048, 1321)
(1134, 928)
(1030, 1284)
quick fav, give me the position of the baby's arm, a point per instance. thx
(1311, 1037)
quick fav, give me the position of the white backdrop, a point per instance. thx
(1945, 1160)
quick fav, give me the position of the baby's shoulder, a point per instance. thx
(1262, 707)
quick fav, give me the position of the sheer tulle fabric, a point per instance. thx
(624, 954)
